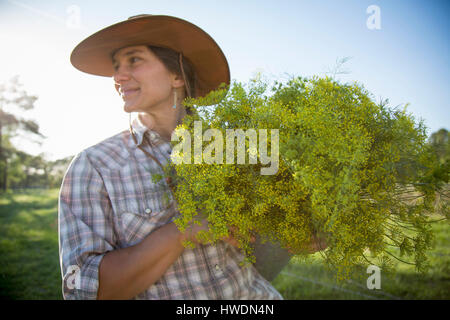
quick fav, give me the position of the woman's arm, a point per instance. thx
(124, 273)
(92, 266)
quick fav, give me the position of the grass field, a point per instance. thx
(29, 261)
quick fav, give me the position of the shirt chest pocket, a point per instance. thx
(141, 215)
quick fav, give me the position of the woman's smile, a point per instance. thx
(128, 92)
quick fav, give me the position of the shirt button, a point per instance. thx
(148, 210)
(217, 267)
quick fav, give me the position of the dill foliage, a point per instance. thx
(352, 170)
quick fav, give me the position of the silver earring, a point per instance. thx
(175, 99)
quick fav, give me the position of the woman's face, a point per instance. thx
(142, 80)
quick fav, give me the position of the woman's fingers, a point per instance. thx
(233, 230)
(231, 239)
(318, 243)
(193, 230)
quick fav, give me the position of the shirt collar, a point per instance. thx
(140, 130)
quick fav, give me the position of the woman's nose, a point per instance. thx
(121, 74)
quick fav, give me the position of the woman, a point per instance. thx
(117, 240)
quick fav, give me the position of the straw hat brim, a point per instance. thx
(94, 54)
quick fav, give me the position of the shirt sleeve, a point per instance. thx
(86, 231)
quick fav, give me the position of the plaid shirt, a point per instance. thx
(108, 201)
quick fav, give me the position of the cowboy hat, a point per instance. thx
(94, 54)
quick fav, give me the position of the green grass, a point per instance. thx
(29, 261)
(312, 280)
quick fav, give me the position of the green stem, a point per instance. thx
(410, 263)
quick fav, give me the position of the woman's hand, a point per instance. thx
(318, 243)
(231, 239)
(191, 233)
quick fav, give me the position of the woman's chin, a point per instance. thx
(130, 107)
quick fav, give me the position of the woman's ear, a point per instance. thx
(177, 81)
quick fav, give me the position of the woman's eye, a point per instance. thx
(134, 59)
(130, 60)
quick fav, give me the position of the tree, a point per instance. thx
(440, 140)
(440, 144)
(56, 171)
(13, 98)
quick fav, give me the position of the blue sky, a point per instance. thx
(406, 60)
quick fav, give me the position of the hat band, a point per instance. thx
(186, 83)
